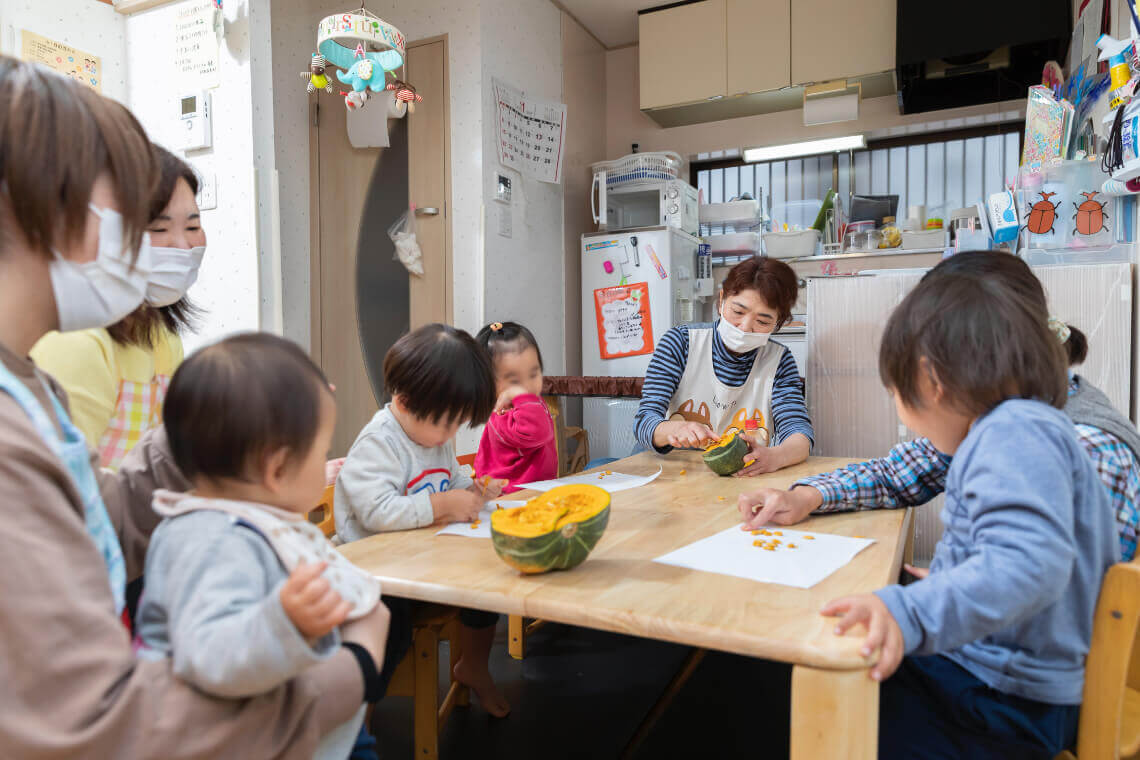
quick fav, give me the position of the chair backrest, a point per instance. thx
(323, 514)
(1112, 670)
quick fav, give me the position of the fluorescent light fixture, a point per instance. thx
(807, 148)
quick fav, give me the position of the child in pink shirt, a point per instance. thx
(518, 441)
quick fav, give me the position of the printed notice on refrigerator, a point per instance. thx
(625, 327)
(532, 133)
(196, 45)
(63, 59)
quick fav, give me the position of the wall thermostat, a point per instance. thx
(194, 131)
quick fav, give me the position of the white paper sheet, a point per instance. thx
(618, 481)
(483, 529)
(731, 552)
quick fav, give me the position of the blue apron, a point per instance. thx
(72, 451)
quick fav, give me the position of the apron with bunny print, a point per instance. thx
(702, 397)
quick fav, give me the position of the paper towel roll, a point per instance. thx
(368, 126)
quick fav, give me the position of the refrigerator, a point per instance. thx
(636, 284)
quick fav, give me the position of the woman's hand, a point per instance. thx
(370, 632)
(683, 435)
(883, 632)
(763, 458)
(771, 505)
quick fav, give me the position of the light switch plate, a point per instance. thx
(207, 191)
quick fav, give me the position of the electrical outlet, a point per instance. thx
(207, 191)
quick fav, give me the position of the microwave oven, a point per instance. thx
(666, 202)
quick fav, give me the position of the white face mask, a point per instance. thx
(737, 340)
(100, 292)
(173, 271)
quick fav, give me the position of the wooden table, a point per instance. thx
(619, 588)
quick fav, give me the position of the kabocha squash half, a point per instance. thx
(554, 531)
(726, 455)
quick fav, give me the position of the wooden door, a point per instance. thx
(429, 182)
(345, 183)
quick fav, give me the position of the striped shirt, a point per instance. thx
(789, 412)
(914, 472)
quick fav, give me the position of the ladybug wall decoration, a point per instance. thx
(1090, 216)
(1042, 215)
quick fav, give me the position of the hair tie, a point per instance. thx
(1060, 329)
(496, 326)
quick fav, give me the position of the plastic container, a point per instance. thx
(791, 245)
(862, 240)
(924, 239)
(734, 242)
(798, 215)
(1063, 206)
(734, 213)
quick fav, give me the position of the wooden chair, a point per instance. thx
(417, 675)
(518, 627)
(1110, 710)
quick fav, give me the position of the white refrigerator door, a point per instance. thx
(617, 275)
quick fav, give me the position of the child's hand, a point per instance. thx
(332, 469)
(508, 396)
(461, 506)
(488, 488)
(883, 632)
(771, 505)
(764, 459)
(917, 572)
(310, 602)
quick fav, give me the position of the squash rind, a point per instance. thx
(568, 541)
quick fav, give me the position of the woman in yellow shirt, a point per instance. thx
(116, 377)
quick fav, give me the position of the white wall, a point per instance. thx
(84, 24)
(523, 274)
(227, 289)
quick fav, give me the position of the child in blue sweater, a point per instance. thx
(985, 657)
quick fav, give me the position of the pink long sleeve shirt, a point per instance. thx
(518, 444)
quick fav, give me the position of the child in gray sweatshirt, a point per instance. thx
(995, 638)
(401, 473)
(242, 592)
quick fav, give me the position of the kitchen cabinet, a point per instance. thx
(681, 54)
(757, 45)
(836, 39)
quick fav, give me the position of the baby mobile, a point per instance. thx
(367, 49)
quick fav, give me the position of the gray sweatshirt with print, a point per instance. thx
(388, 479)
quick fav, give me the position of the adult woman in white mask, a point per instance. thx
(706, 378)
(76, 180)
(116, 377)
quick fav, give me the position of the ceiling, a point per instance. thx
(613, 22)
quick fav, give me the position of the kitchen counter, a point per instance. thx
(868, 254)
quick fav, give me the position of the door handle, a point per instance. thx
(427, 211)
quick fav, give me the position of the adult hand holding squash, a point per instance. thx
(683, 435)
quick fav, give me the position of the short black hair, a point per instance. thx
(237, 401)
(440, 372)
(498, 337)
(1077, 346)
(986, 341)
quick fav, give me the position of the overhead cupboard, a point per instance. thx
(714, 49)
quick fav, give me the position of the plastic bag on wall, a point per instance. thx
(403, 234)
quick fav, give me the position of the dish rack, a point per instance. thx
(732, 228)
(639, 167)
